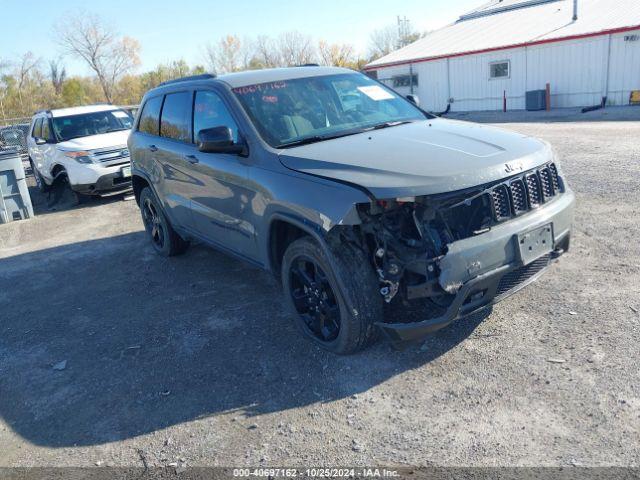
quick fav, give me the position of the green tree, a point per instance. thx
(73, 92)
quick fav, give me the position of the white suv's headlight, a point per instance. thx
(80, 157)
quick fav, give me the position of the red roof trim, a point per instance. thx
(508, 47)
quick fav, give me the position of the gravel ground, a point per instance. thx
(193, 360)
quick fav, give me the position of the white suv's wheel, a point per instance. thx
(43, 187)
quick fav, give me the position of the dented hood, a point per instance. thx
(420, 158)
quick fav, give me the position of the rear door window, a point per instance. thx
(210, 111)
(175, 122)
(150, 116)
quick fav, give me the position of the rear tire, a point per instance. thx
(317, 299)
(164, 239)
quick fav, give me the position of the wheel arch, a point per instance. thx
(283, 230)
(57, 171)
(304, 227)
(139, 182)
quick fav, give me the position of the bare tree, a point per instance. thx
(86, 36)
(226, 55)
(27, 65)
(57, 74)
(296, 48)
(336, 55)
(382, 42)
(266, 52)
(3, 66)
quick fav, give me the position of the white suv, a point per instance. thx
(85, 146)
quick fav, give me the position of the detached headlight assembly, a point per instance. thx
(80, 157)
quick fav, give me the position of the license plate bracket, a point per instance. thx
(535, 243)
(126, 171)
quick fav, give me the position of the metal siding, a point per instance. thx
(472, 89)
(432, 85)
(624, 70)
(516, 28)
(386, 76)
(576, 70)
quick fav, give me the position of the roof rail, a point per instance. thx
(204, 76)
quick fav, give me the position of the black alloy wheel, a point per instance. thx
(314, 299)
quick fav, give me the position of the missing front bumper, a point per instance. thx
(475, 295)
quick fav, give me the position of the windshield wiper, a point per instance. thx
(318, 138)
(322, 138)
(380, 126)
(116, 130)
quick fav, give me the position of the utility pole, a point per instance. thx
(404, 30)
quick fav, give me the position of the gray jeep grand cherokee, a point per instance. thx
(352, 195)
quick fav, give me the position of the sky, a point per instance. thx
(170, 30)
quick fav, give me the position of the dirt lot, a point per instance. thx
(194, 360)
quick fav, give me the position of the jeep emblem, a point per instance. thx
(514, 167)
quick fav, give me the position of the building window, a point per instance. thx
(405, 80)
(499, 69)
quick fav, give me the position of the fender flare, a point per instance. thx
(135, 172)
(313, 230)
(61, 172)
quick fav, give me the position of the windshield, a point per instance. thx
(88, 124)
(293, 112)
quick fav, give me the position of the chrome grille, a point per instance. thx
(111, 154)
(525, 192)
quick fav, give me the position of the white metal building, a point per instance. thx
(515, 46)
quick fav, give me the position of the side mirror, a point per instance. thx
(218, 140)
(414, 99)
(40, 141)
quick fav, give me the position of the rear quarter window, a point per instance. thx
(150, 116)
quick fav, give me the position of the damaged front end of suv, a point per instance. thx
(460, 252)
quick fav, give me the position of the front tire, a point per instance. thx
(164, 239)
(317, 299)
(42, 186)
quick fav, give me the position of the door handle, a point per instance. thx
(191, 159)
(153, 148)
